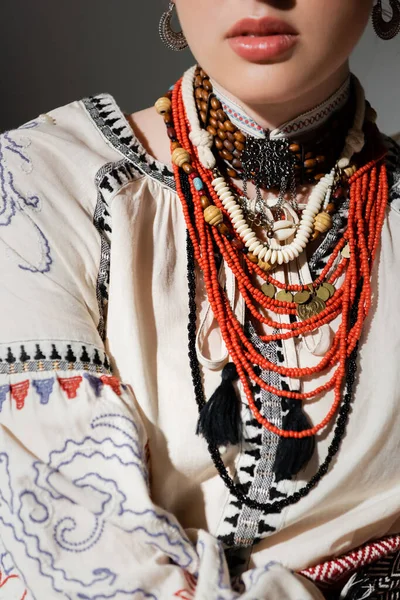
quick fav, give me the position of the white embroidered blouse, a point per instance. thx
(105, 490)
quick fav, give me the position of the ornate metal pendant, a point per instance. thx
(268, 162)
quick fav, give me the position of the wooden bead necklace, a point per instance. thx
(313, 158)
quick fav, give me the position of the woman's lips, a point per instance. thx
(260, 48)
(259, 40)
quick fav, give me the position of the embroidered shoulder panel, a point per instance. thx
(52, 355)
(114, 127)
(109, 180)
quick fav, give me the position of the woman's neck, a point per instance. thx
(272, 116)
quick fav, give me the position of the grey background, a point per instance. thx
(56, 51)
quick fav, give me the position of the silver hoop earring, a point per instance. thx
(172, 39)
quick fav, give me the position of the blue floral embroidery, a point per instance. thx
(95, 383)
(44, 388)
(50, 520)
(4, 389)
(13, 202)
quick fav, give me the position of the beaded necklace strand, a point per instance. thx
(340, 427)
(368, 199)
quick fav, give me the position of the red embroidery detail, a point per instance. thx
(7, 579)
(334, 570)
(70, 385)
(187, 594)
(19, 392)
(113, 382)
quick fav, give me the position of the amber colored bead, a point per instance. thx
(221, 126)
(229, 136)
(205, 95)
(219, 143)
(171, 132)
(212, 130)
(239, 136)
(204, 106)
(226, 155)
(318, 176)
(213, 114)
(298, 156)
(167, 118)
(180, 156)
(163, 105)
(229, 126)
(231, 172)
(213, 215)
(203, 116)
(309, 171)
(203, 74)
(252, 258)
(198, 104)
(294, 148)
(239, 146)
(221, 116)
(187, 167)
(320, 159)
(237, 244)
(198, 93)
(215, 103)
(237, 154)
(221, 134)
(237, 163)
(228, 145)
(175, 145)
(297, 167)
(309, 155)
(310, 163)
(207, 85)
(223, 229)
(213, 122)
(265, 266)
(330, 209)
(204, 201)
(198, 81)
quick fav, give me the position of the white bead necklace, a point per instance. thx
(271, 251)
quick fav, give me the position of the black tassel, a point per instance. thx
(293, 454)
(220, 418)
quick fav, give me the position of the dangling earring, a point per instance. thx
(386, 30)
(172, 39)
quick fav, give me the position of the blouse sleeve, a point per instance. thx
(76, 518)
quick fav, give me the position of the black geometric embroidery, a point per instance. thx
(39, 354)
(48, 356)
(120, 134)
(70, 356)
(85, 358)
(24, 357)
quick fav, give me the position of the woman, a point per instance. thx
(257, 220)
